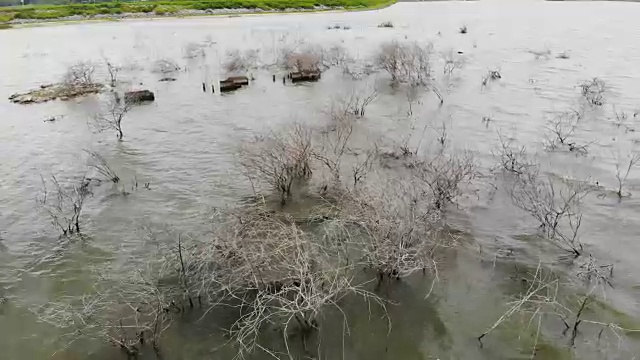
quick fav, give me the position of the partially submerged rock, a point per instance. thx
(134, 97)
(233, 83)
(55, 91)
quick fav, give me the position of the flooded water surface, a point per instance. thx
(179, 163)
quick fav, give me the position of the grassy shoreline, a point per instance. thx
(38, 14)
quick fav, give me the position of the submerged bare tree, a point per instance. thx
(112, 71)
(561, 128)
(406, 62)
(100, 165)
(623, 170)
(593, 91)
(79, 74)
(278, 159)
(277, 275)
(512, 158)
(111, 118)
(165, 66)
(307, 59)
(241, 61)
(554, 206)
(63, 203)
(129, 312)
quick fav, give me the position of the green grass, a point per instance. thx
(47, 12)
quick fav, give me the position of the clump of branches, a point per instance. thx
(100, 165)
(541, 54)
(193, 50)
(622, 120)
(130, 313)
(357, 69)
(241, 61)
(356, 101)
(444, 176)
(79, 74)
(623, 170)
(277, 275)
(593, 91)
(279, 159)
(112, 71)
(561, 128)
(540, 298)
(111, 118)
(451, 62)
(554, 207)
(406, 62)
(308, 59)
(512, 158)
(165, 66)
(63, 203)
(385, 24)
(491, 75)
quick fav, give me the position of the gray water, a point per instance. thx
(184, 145)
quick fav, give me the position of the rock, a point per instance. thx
(55, 91)
(305, 75)
(134, 97)
(233, 83)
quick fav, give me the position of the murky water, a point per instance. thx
(184, 144)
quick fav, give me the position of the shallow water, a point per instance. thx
(184, 145)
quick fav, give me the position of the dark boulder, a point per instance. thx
(134, 97)
(306, 75)
(233, 83)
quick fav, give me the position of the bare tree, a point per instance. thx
(63, 204)
(594, 91)
(401, 230)
(561, 128)
(554, 208)
(165, 66)
(307, 59)
(355, 102)
(98, 163)
(444, 175)
(623, 170)
(79, 74)
(131, 312)
(406, 62)
(111, 118)
(451, 62)
(193, 50)
(241, 61)
(512, 159)
(113, 71)
(279, 158)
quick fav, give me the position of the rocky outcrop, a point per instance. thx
(305, 75)
(55, 91)
(139, 96)
(233, 83)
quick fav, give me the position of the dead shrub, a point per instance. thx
(406, 62)
(64, 203)
(79, 74)
(241, 61)
(593, 91)
(554, 206)
(111, 117)
(279, 159)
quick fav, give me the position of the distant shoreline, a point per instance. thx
(18, 17)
